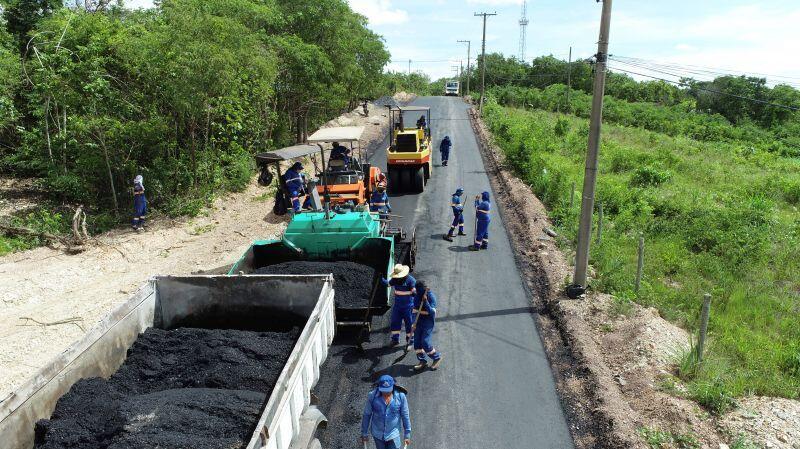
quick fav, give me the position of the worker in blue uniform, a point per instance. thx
(385, 412)
(404, 286)
(425, 313)
(457, 204)
(340, 152)
(379, 202)
(482, 209)
(296, 187)
(139, 203)
(444, 149)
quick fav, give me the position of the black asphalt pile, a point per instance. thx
(182, 388)
(386, 101)
(353, 282)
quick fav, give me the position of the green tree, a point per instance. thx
(9, 79)
(21, 17)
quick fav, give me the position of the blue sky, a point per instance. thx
(746, 36)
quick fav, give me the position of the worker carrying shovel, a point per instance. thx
(405, 287)
(458, 215)
(482, 219)
(384, 413)
(425, 312)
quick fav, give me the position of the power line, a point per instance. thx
(671, 71)
(705, 69)
(718, 92)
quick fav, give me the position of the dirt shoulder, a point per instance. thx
(614, 363)
(47, 286)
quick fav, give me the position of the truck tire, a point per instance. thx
(407, 176)
(427, 169)
(395, 183)
(418, 181)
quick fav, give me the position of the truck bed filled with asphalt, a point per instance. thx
(353, 281)
(187, 387)
(200, 362)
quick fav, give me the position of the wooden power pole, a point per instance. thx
(469, 74)
(578, 286)
(483, 58)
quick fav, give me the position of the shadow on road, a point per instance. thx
(488, 313)
(459, 249)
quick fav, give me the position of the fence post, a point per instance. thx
(704, 314)
(599, 223)
(639, 264)
(572, 197)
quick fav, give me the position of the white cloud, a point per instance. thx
(379, 12)
(134, 4)
(495, 2)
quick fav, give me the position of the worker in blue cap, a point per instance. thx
(379, 202)
(482, 209)
(425, 313)
(296, 187)
(444, 149)
(457, 204)
(385, 412)
(404, 286)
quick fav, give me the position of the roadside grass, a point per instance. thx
(717, 217)
(660, 439)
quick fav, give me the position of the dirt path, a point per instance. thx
(49, 286)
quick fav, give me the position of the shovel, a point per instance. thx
(414, 326)
(363, 334)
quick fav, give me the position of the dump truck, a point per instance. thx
(356, 236)
(257, 304)
(408, 159)
(337, 183)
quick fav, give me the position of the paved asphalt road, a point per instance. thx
(494, 388)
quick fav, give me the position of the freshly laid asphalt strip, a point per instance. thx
(495, 388)
(181, 388)
(352, 281)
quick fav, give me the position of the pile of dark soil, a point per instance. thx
(353, 282)
(182, 388)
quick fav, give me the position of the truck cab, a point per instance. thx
(451, 88)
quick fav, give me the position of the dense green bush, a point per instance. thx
(184, 93)
(674, 120)
(717, 217)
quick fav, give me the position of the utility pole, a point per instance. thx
(469, 74)
(460, 76)
(569, 79)
(483, 58)
(409, 67)
(578, 286)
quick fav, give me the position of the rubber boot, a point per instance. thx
(485, 245)
(461, 231)
(474, 248)
(449, 235)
